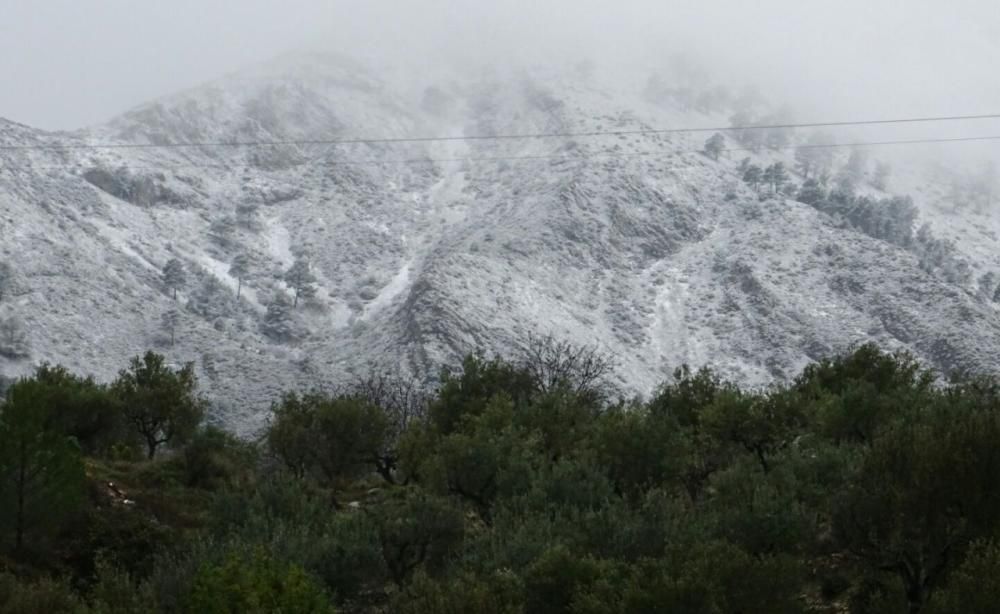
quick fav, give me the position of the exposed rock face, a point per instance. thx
(660, 259)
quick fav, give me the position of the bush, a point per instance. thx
(974, 588)
(348, 557)
(45, 595)
(215, 459)
(498, 593)
(417, 530)
(555, 578)
(117, 592)
(254, 583)
(332, 438)
(124, 537)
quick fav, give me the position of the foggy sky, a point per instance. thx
(71, 63)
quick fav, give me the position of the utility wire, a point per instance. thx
(553, 157)
(484, 137)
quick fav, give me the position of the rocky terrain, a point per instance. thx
(425, 250)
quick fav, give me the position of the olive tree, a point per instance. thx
(161, 404)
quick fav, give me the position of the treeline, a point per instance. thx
(893, 219)
(865, 485)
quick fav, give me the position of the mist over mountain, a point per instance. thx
(418, 252)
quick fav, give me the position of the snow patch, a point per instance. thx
(399, 283)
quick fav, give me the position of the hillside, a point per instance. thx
(658, 259)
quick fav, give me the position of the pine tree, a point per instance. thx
(775, 175)
(715, 145)
(753, 176)
(984, 185)
(814, 157)
(222, 231)
(211, 299)
(300, 279)
(174, 276)
(778, 138)
(246, 215)
(239, 269)
(880, 179)
(13, 338)
(844, 184)
(278, 323)
(857, 165)
(811, 192)
(987, 285)
(6, 279)
(751, 137)
(42, 478)
(170, 320)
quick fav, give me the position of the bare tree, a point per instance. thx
(555, 364)
(404, 402)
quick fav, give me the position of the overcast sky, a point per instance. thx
(70, 63)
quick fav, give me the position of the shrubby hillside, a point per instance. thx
(862, 485)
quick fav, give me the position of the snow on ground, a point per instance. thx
(278, 241)
(396, 286)
(657, 260)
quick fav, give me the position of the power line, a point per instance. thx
(554, 157)
(484, 137)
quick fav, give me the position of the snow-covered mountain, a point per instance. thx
(422, 255)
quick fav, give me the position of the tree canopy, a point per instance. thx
(160, 403)
(866, 484)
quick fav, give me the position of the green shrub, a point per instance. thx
(121, 536)
(254, 583)
(214, 459)
(973, 588)
(498, 593)
(417, 530)
(47, 596)
(347, 557)
(116, 591)
(554, 580)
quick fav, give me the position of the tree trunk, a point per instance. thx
(384, 468)
(916, 601)
(916, 590)
(239, 287)
(19, 537)
(151, 448)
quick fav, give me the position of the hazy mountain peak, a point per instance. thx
(428, 250)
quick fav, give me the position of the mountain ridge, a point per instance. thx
(657, 260)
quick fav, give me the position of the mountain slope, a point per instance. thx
(659, 260)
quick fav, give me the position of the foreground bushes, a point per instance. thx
(864, 484)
